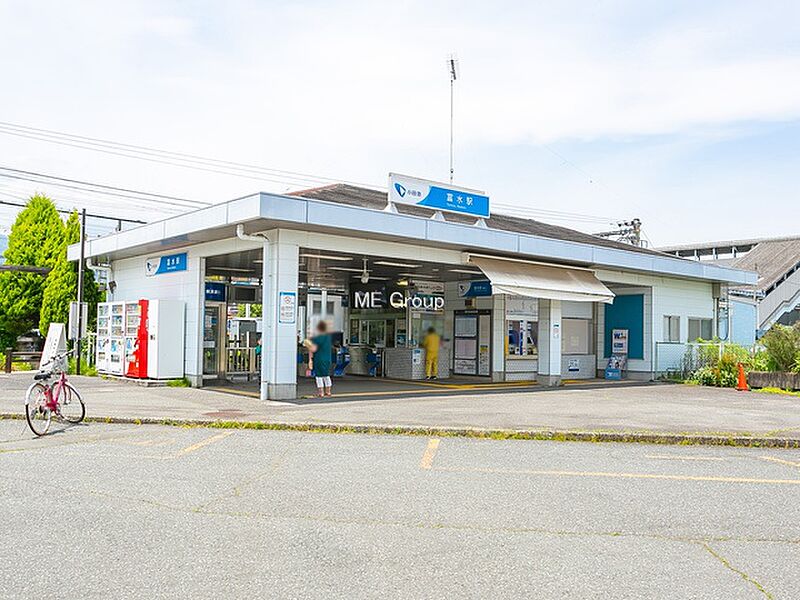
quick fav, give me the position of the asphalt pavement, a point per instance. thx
(127, 511)
(661, 408)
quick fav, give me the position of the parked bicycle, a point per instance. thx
(45, 399)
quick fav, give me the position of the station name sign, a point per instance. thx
(437, 196)
(397, 300)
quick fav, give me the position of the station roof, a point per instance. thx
(357, 213)
(376, 200)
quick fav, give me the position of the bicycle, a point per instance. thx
(43, 399)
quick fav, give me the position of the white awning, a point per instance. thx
(538, 280)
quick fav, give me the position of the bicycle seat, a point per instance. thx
(40, 376)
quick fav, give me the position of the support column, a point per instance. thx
(549, 342)
(279, 335)
(499, 337)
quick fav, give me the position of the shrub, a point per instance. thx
(782, 346)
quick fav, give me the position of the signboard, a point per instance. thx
(437, 196)
(170, 263)
(473, 289)
(215, 291)
(428, 287)
(397, 300)
(56, 343)
(574, 365)
(619, 341)
(72, 323)
(287, 304)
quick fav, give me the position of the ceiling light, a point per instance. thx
(388, 263)
(468, 271)
(232, 269)
(258, 261)
(327, 257)
(373, 278)
(351, 269)
(417, 275)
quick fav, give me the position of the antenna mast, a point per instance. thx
(452, 65)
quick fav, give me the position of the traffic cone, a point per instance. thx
(741, 383)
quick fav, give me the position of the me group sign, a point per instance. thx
(437, 196)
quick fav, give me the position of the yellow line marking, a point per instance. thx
(781, 461)
(676, 457)
(430, 452)
(203, 443)
(627, 476)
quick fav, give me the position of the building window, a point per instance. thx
(523, 337)
(576, 336)
(701, 329)
(672, 328)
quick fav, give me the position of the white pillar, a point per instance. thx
(499, 337)
(549, 342)
(279, 336)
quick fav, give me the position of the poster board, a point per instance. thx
(55, 344)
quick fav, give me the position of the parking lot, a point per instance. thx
(130, 511)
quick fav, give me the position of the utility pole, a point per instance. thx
(81, 267)
(452, 64)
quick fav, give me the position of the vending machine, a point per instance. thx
(145, 339)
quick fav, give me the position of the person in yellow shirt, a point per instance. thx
(431, 344)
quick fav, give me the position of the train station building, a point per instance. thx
(513, 299)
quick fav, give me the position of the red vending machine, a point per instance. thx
(154, 342)
(136, 345)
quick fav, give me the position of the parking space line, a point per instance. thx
(676, 457)
(429, 454)
(204, 443)
(781, 461)
(623, 475)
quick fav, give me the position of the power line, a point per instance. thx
(185, 160)
(96, 188)
(68, 212)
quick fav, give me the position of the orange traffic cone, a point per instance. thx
(741, 382)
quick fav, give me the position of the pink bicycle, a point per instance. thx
(44, 399)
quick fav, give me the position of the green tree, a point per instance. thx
(36, 240)
(61, 286)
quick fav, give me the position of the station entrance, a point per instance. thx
(378, 312)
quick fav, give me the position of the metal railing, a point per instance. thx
(243, 360)
(678, 360)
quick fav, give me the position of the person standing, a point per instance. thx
(431, 344)
(320, 351)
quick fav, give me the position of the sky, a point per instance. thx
(683, 114)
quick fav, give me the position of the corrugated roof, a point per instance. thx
(375, 199)
(771, 259)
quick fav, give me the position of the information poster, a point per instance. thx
(287, 307)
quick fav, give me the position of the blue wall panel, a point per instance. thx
(627, 312)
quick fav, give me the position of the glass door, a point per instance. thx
(213, 340)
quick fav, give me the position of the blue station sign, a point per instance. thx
(475, 288)
(170, 263)
(437, 196)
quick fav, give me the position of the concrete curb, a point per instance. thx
(637, 437)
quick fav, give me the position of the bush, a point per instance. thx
(782, 346)
(183, 382)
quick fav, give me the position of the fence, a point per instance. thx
(243, 361)
(677, 360)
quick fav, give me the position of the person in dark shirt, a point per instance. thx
(320, 352)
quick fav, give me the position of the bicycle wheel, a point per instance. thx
(36, 412)
(70, 403)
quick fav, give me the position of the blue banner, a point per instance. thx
(474, 289)
(215, 291)
(170, 263)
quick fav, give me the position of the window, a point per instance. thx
(701, 328)
(523, 337)
(575, 336)
(672, 328)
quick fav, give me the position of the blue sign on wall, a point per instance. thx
(169, 263)
(215, 291)
(473, 289)
(438, 196)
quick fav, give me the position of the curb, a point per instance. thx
(675, 439)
